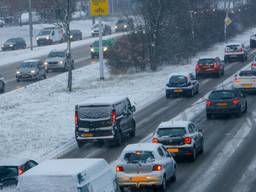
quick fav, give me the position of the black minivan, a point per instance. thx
(106, 119)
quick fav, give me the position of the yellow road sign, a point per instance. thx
(99, 7)
(227, 21)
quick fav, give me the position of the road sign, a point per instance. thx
(227, 21)
(99, 7)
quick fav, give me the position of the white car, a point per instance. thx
(145, 165)
(235, 51)
(49, 36)
(245, 81)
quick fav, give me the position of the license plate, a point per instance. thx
(247, 85)
(172, 150)
(178, 90)
(222, 104)
(87, 135)
(138, 179)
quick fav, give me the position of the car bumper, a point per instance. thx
(105, 134)
(227, 110)
(180, 151)
(27, 76)
(178, 90)
(143, 180)
(244, 88)
(57, 66)
(201, 73)
(44, 42)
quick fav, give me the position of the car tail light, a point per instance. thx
(209, 103)
(215, 66)
(76, 118)
(187, 140)
(236, 101)
(119, 168)
(113, 117)
(157, 168)
(253, 65)
(155, 140)
(20, 171)
(197, 67)
(241, 49)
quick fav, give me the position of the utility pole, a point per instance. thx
(101, 50)
(112, 7)
(30, 24)
(69, 60)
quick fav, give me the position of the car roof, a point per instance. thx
(180, 73)
(141, 146)
(233, 43)
(13, 162)
(208, 57)
(170, 124)
(108, 100)
(31, 60)
(219, 89)
(61, 167)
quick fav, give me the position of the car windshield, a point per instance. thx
(45, 32)
(96, 44)
(178, 79)
(222, 95)
(8, 171)
(29, 65)
(11, 41)
(120, 22)
(95, 26)
(95, 112)
(247, 73)
(56, 54)
(233, 47)
(206, 61)
(171, 132)
(139, 157)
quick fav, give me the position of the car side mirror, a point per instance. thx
(200, 130)
(189, 83)
(133, 108)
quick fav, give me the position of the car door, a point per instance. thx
(194, 132)
(126, 116)
(29, 165)
(166, 161)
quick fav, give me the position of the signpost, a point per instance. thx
(100, 8)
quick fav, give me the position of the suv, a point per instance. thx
(181, 84)
(235, 51)
(31, 69)
(124, 25)
(106, 46)
(57, 60)
(14, 44)
(104, 119)
(2, 84)
(106, 30)
(49, 36)
(209, 66)
(181, 138)
(226, 101)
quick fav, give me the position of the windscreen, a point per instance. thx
(122, 22)
(206, 61)
(95, 112)
(96, 43)
(139, 157)
(247, 73)
(171, 132)
(8, 171)
(11, 41)
(179, 79)
(233, 47)
(45, 33)
(29, 65)
(222, 95)
(57, 54)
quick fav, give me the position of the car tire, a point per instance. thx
(226, 59)
(80, 144)
(191, 94)
(17, 80)
(194, 155)
(202, 147)
(245, 109)
(117, 140)
(45, 77)
(121, 189)
(133, 132)
(174, 177)
(167, 96)
(209, 116)
(162, 188)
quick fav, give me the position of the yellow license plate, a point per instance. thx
(172, 150)
(178, 90)
(222, 104)
(247, 85)
(87, 134)
(138, 179)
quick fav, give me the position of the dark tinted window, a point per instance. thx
(8, 171)
(171, 132)
(45, 33)
(206, 61)
(11, 40)
(96, 43)
(139, 157)
(57, 54)
(178, 79)
(233, 47)
(161, 153)
(247, 73)
(29, 64)
(222, 95)
(95, 112)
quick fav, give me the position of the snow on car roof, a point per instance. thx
(170, 124)
(142, 147)
(180, 73)
(13, 162)
(108, 100)
(66, 167)
(233, 43)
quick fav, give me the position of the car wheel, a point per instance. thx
(80, 144)
(121, 189)
(18, 80)
(191, 94)
(133, 132)
(194, 154)
(45, 76)
(174, 178)
(209, 116)
(162, 188)
(245, 108)
(226, 59)
(219, 74)
(117, 140)
(167, 95)
(202, 147)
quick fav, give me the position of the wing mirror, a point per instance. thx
(133, 108)
(200, 130)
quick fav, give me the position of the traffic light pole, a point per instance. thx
(101, 50)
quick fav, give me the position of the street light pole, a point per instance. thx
(30, 24)
(101, 50)
(69, 61)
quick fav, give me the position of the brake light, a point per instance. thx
(209, 103)
(157, 168)
(155, 141)
(20, 171)
(197, 67)
(216, 66)
(76, 118)
(187, 140)
(119, 168)
(113, 117)
(253, 64)
(241, 49)
(236, 101)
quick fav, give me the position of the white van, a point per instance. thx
(24, 18)
(69, 175)
(50, 35)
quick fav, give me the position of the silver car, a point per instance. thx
(145, 165)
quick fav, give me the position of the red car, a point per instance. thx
(209, 66)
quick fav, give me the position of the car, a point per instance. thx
(245, 81)
(235, 51)
(123, 25)
(69, 175)
(209, 66)
(14, 44)
(226, 101)
(31, 70)
(11, 169)
(2, 23)
(49, 36)
(253, 41)
(2, 84)
(145, 165)
(57, 60)
(76, 35)
(107, 119)
(181, 84)
(106, 30)
(253, 64)
(181, 138)
(106, 45)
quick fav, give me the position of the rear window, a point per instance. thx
(139, 157)
(95, 112)
(171, 132)
(178, 79)
(8, 171)
(222, 95)
(206, 61)
(247, 73)
(233, 47)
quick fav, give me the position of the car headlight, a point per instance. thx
(116, 27)
(71, 36)
(125, 26)
(33, 71)
(11, 45)
(92, 50)
(61, 62)
(45, 63)
(37, 38)
(105, 49)
(47, 37)
(18, 72)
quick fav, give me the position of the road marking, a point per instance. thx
(205, 81)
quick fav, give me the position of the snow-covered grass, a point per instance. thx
(39, 118)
